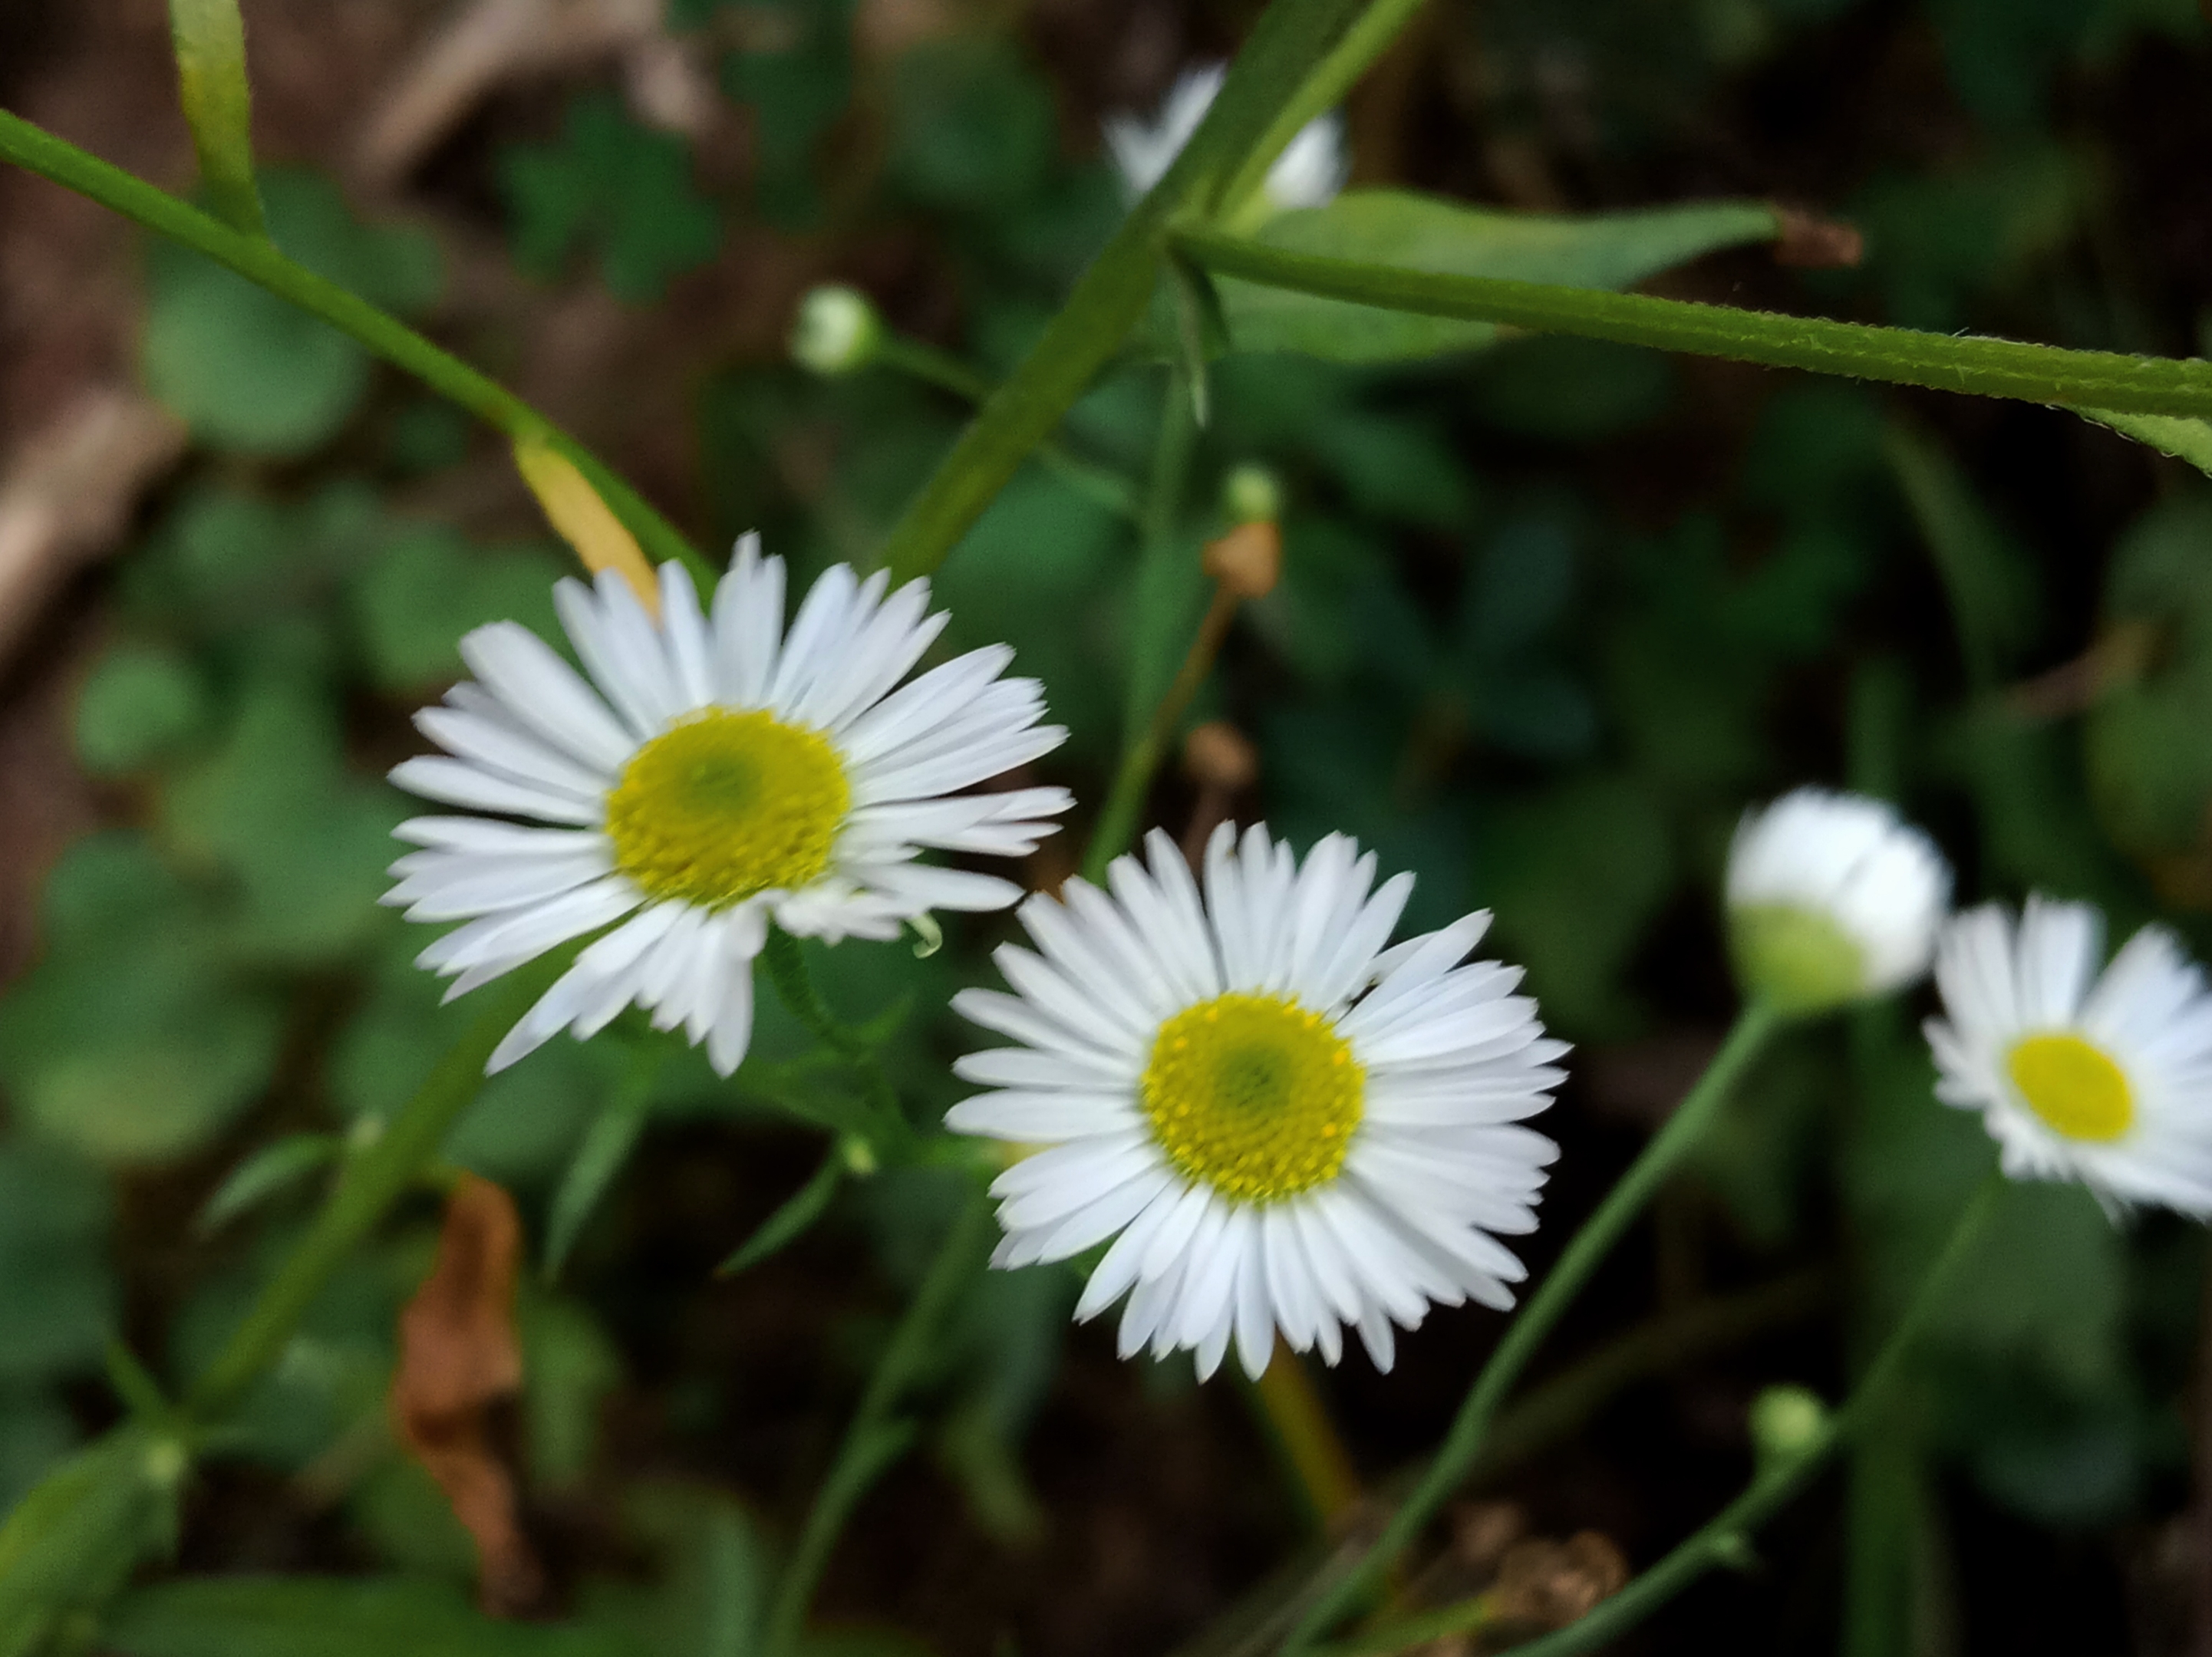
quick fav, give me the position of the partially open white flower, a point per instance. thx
(2103, 1077)
(715, 774)
(1831, 899)
(1280, 1123)
(1309, 172)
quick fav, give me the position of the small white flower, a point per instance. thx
(1832, 899)
(2103, 1078)
(1280, 1123)
(716, 774)
(837, 330)
(1309, 172)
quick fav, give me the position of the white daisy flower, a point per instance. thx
(1310, 170)
(1280, 1123)
(2103, 1078)
(716, 774)
(1832, 899)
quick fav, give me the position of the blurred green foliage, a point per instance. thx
(1553, 613)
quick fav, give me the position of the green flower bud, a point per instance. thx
(837, 330)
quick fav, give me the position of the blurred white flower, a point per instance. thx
(1280, 1123)
(714, 776)
(1309, 172)
(1830, 898)
(2103, 1077)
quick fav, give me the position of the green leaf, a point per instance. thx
(251, 372)
(140, 703)
(620, 188)
(1423, 232)
(1985, 572)
(130, 1040)
(411, 603)
(58, 1296)
(569, 1366)
(211, 46)
(332, 1617)
(73, 1540)
(791, 1218)
(275, 1167)
(2184, 439)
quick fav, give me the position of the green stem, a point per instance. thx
(787, 970)
(1159, 593)
(947, 373)
(258, 260)
(210, 38)
(874, 1439)
(1290, 38)
(1721, 1540)
(1366, 41)
(369, 1186)
(1945, 362)
(1464, 1443)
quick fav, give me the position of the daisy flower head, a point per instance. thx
(1831, 899)
(1280, 1122)
(1310, 170)
(708, 774)
(2101, 1076)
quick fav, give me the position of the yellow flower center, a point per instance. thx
(1253, 1095)
(2075, 1087)
(721, 805)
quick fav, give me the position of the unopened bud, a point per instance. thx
(1217, 755)
(837, 330)
(1786, 1422)
(1251, 495)
(1247, 560)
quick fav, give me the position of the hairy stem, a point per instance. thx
(1470, 1428)
(258, 260)
(1944, 363)
(1290, 38)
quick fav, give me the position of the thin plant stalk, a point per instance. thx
(257, 259)
(875, 1437)
(1470, 1429)
(1285, 1398)
(919, 359)
(1723, 1539)
(1943, 363)
(371, 1182)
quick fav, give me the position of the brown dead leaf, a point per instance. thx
(459, 1355)
(1553, 1584)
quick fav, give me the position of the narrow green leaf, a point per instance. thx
(74, 1539)
(798, 1211)
(277, 1166)
(209, 37)
(1946, 362)
(1990, 589)
(2184, 439)
(606, 1147)
(1403, 230)
(134, 1384)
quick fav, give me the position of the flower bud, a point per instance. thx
(1217, 755)
(1786, 1422)
(1832, 899)
(837, 330)
(1252, 495)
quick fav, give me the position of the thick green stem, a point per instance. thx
(875, 1439)
(1292, 37)
(210, 38)
(1463, 1444)
(1944, 363)
(370, 1186)
(258, 260)
(1362, 43)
